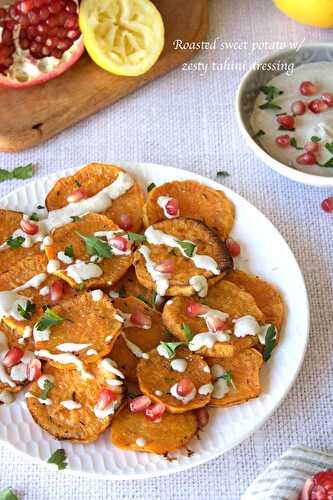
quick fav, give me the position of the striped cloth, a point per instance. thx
(284, 478)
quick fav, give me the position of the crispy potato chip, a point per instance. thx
(89, 330)
(125, 351)
(106, 271)
(207, 243)
(134, 432)
(159, 375)
(267, 297)
(93, 178)
(209, 205)
(244, 368)
(19, 276)
(225, 297)
(80, 424)
(10, 222)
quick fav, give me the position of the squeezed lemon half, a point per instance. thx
(312, 12)
(124, 37)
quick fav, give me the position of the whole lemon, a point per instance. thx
(313, 12)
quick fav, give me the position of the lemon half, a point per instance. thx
(124, 37)
(312, 12)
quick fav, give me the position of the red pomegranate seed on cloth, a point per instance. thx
(327, 205)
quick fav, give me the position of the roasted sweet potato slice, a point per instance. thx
(225, 297)
(129, 286)
(267, 297)
(244, 369)
(125, 351)
(206, 242)
(209, 205)
(158, 377)
(93, 178)
(82, 423)
(10, 222)
(134, 432)
(106, 270)
(31, 268)
(89, 330)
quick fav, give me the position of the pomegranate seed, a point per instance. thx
(10, 25)
(196, 309)
(12, 357)
(172, 207)
(70, 21)
(298, 108)
(73, 34)
(44, 13)
(215, 324)
(45, 51)
(52, 21)
(283, 141)
(286, 121)
(7, 38)
(64, 44)
(55, 7)
(34, 370)
(125, 222)
(308, 89)
(33, 17)
(24, 44)
(71, 7)
(42, 28)
(106, 396)
(327, 205)
(318, 106)
(202, 417)
(57, 53)
(51, 41)
(29, 227)
(78, 195)
(306, 159)
(312, 147)
(32, 32)
(61, 33)
(327, 97)
(154, 412)
(5, 52)
(184, 387)
(120, 243)
(139, 404)
(322, 486)
(3, 13)
(141, 320)
(233, 247)
(56, 291)
(13, 12)
(166, 266)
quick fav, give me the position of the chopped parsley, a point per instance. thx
(222, 173)
(151, 187)
(75, 218)
(47, 386)
(187, 246)
(171, 347)
(78, 183)
(122, 292)
(172, 252)
(269, 105)
(315, 138)
(58, 458)
(188, 332)
(271, 93)
(294, 144)
(227, 376)
(8, 494)
(96, 246)
(34, 216)
(28, 311)
(151, 303)
(329, 147)
(281, 127)
(270, 342)
(260, 133)
(69, 252)
(136, 236)
(15, 242)
(329, 163)
(25, 172)
(48, 319)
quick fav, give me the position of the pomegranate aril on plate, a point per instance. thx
(106, 396)
(283, 141)
(327, 97)
(327, 205)
(29, 227)
(196, 309)
(34, 370)
(56, 291)
(233, 247)
(139, 404)
(12, 357)
(317, 106)
(308, 89)
(202, 417)
(120, 243)
(184, 387)
(141, 320)
(286, 121)
(312, 147)
(298, 108)
(78, 195)
(215, 324)
(306, 159)
(125, 222)
(166, 266)
(154, 412)
(172, 207)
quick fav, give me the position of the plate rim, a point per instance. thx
(218, 452)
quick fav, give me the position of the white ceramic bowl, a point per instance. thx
(249, 89)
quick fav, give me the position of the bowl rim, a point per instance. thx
(281, 168)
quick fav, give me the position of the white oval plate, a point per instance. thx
(264, 252)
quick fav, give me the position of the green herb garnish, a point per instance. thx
(187, 246)
(82, 286)
(222, 173)
(122, 292)
(329, 163)
(78, 183)
(144, 299)
(227, 376)
(15, 242)
(188, 332)
(260, 133)
(270, 342)
(315, 138)
(28, 311)
(269, 105)
(58, 458)
(69, 252)
(329, 147)
(281, 127)
(25, 172)
(7, 494)
(47, 386)
(293, 143)
(171, 347)
(48, 319)
(96, 246)
(34, 217)
(270, 92)
(75, 218)
(172, 252)
(151, 303)
(136, 236)
(151, 187)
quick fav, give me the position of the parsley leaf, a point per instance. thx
(122, 292)
(144, 299)
(48, 319)
(172, 252)
(136, 236)
(187, 246)
(269, 105)
(281, 127)
(171, 347)
(15, 242)
(151, 187)
(96, 246)
(270, 342)
(25, 172)
(34, 217)
(58, 458)
(270, 91)
(293, 143)
(151, 303)
(7, 494)
(188, 332)
(260, 133)
(227, 376)
(75, 218)
(47, 386)
(222, 173)
(69, 252)
(329, 147)
(28, 311)
(315, 138)
(78, 183)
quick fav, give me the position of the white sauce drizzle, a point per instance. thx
(206, 389)
(221, 387)
(183, 399)
(52, 266)
(41, 335)
(140, 442)
(162, 202)
(64, 258)
(34, 282)
(46, 402)
(91, 352)
(163, 351)
(66, 359)
(96, 295)
(44, 291)
(69, 404)
(200, 284)
(111, 366)
(179, 365)
(9, 302)
(246, 325)
(161, 280)
(81, 271)
(207, 339)
(135, 349)
(72, 347)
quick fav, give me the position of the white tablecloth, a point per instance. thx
(187, 119)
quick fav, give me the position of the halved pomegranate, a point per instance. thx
(39, 40)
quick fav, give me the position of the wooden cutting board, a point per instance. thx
(31, 116)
